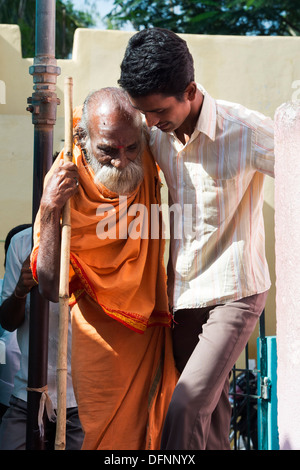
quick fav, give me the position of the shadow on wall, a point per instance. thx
(286, 444)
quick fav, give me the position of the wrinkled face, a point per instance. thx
(113, 140)
(165, 112)
(114, 151)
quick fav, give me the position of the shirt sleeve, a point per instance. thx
(2, 331)
(12, 272)
(263, 148)
(16, 254)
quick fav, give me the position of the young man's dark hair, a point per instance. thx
(156, 61)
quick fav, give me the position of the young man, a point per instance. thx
(214, 156)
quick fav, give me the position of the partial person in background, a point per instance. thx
(14, 315)
(9, 369)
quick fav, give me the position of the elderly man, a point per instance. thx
(123, 380)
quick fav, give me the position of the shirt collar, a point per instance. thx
(208, 116)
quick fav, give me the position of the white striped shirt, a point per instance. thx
(215, 182)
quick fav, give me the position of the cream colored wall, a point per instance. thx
(256, 71)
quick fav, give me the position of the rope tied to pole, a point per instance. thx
(45, 403)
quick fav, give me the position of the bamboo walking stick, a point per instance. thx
(62, 361)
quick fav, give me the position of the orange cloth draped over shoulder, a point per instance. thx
(111, 262)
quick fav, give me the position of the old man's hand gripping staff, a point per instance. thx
(60, 437)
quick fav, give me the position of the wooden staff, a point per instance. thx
(62, 360)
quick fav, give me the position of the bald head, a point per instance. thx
(109, 105)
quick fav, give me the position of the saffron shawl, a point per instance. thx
(116, 247)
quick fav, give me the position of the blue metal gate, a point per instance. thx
(253, 395)
(267, 400)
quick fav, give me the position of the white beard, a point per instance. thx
(122, 182)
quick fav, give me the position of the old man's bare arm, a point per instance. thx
(61, 186)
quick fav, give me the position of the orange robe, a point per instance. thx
(122, 362)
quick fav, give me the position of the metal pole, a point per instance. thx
(42, 105)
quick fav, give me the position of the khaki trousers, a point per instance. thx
(207, 343)
(13, 428)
